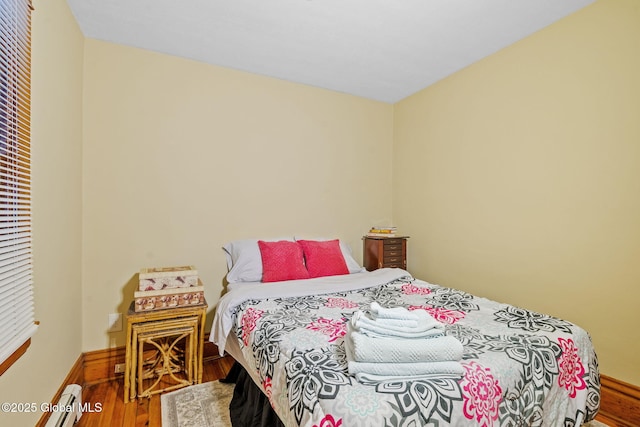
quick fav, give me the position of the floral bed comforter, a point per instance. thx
(521, 368)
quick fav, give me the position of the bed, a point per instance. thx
(521, 368)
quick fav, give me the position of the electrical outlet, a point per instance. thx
(115, 322)
(119, 368)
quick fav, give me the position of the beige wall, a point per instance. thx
(180, 157)
(56, 124)
(518, 178)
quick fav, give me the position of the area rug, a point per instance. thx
(200, 405)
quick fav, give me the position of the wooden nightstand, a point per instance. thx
(164, 350)
(379, 252)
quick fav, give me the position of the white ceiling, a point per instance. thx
(379, 49)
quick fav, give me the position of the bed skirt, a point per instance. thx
(249, 407)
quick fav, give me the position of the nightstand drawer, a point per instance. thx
(396, 265)
(393, 251)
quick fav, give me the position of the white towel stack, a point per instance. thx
(395, 344)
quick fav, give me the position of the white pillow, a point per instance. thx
(352, 264)
(244, 260)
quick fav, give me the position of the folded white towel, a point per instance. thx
(377, 332)
(363, 348)
(424, 327)
(379, 312)
(406, 369)
(385, 322)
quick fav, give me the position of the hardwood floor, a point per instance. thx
(143, 411)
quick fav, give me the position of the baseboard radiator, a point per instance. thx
(68, 410)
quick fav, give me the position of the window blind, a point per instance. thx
(16, 284)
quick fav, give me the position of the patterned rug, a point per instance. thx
(200, 405)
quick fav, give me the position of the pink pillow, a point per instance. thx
(323, 258)
(281, 261)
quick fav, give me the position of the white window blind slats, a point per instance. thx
(16, 315)
(19, 322)
(15, 158)
(22, 132)
(16, 288)
(8, 183)
(24, 279)
(15, 162)
(12, 307)
(5, 339)
(13, 232)
(15, 260)
(15, 256)
(17, 177)
(20, 225)
(19, 270)
(14, 228)
(14, 172)
(8, 343)
(9, 295)
(18, 183)
(15, 209)
(12, 177)
(14, 201)
(9, 187)
(20, 208)
(20, 315)
(20, 336)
